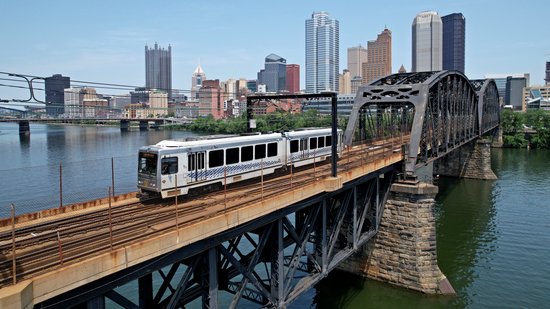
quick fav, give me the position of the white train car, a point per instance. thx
(172, 168)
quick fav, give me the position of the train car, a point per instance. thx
(305, 146)
(193, 164)
(171, 168)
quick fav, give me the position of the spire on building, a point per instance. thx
(402, 69)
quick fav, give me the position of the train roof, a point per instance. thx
(309, 132)
(221, 142)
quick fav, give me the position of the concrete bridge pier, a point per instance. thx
(24, 128)
(472, 160)
(124, 125)
(143, 125)
(403, 252)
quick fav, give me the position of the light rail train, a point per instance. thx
(171, 168)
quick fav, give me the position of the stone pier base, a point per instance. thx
(472, 160)
(403, 253)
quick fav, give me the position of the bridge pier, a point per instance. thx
(473, 160)
(143, 125)
(124, 125)
(24, 127)
(403, 252)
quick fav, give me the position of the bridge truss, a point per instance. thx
(269, 261)
(440, 111)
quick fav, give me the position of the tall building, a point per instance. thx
(293, 78)
(356, 57)
(344, 81)
(547, 79)
(211, 98)
(158, 69)
(274, 73)
(55, 94)
(427, 42)
(510, 88)
(378, 57)
(454, 40)
(322, 51)
(196, 82)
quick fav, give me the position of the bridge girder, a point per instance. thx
(440, 110)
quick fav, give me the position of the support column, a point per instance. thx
(124, 125)
(145, 287)
(404, 252)
(24, 127)
(498, 141)
(143, 125)
(472, 160)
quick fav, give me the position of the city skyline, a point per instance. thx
(112, 51)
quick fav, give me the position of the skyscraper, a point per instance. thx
(547, 79)
(55, 93)
(158, 69)
(274, 73)
(378, 57)
(322, 50)
(293, 78)
(356, 57)
(427, 42)
(196, 82)
(454, 38)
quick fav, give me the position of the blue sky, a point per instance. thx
(103, 41)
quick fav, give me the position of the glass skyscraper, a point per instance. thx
(322, 53)
(274, 73)
(158, 69)
(427, 42)
(454, 37)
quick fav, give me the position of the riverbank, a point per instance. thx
(526, 130)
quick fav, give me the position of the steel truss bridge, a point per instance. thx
(411, 118)
(440, 110)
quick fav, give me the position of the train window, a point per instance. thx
(215, 158)
(259, 151)
(313, 143)
(200, 160)
(328, 140)
(321, 141)
(293, 146)
(271, 149)
(247, 153)
(191, 161)
(232, 155)
(147, 163)
(169, 165)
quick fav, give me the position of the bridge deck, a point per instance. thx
(141, 232)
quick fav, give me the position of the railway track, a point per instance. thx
(48, 245)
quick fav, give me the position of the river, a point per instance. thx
(493, 236)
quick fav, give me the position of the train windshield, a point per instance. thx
(147, 163)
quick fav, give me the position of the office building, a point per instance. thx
(427, 42)
(274, 73)
(454, 40)
(158, 69)
(154, 101)
(344, 81)
(196, 82)
(536, 97)
(293, 78)
(378, 57)
(356, 57)
(322, 53)
(74, 99)
(510, 88)
(55, 94)
(211, 98)
(547, 78)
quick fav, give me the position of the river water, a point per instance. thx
(493, 236)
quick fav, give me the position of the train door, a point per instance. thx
(304, 153)
(169, 172)
(196, 166)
